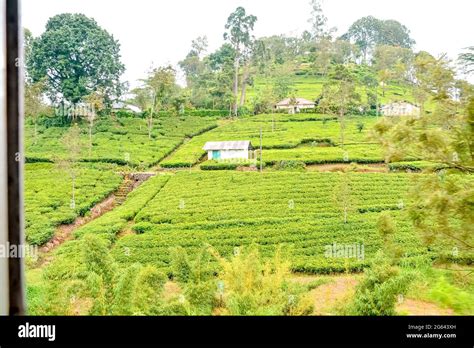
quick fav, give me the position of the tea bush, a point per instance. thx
(228, 210)
(48, 194)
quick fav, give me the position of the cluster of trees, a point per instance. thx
(378, 50)
(442, 207)
(75, 61)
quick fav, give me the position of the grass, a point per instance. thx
(310, 87)
(452, 289)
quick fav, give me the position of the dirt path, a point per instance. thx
(65, 232)
(339, 289)
(418, 307)
(339, 167)
(327, 297)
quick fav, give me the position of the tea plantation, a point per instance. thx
(308, 138)
(122, 140)
(227, 210)
(48, 196)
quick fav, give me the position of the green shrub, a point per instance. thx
(142, 227)
(214, 165)
(290, 165)
(378, 292)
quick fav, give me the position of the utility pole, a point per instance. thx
(261, 163)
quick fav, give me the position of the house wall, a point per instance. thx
(229, 154)
(294, 108)
(402, 109)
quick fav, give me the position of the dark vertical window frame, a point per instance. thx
(15, 153)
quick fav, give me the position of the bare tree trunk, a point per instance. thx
(73, 201)
(36, 131)
(150, 125)
(376, 101)
(236, 83)
(244, 85)
(150, 121)
(341, 124)
(90, 139)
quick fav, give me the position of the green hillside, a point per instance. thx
(310, 87)
(121, 140)
(231, 210)
(308, 138)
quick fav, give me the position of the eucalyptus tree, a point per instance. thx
(392, 63)
(466, 59)
(239, 28)
(318, 21)
(339, 94)
(368, 32)
(156, 94)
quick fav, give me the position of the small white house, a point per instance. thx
(223, 150)
(121, 105)
(400, 109)
(294, 105)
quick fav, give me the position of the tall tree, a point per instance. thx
(367, 32)
(466, 60)
(433, 78)
(239, 27)
(76, 57)
(340, 95)
(363, 33)
(391, 63)
(34, 105)
(318, 21)
(442, 204)
(72, 142)
(157, 93)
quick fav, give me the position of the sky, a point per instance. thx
(158, 32)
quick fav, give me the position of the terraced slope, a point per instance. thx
(122, 140)
(227, 210)
(290, 135)
(48, 196)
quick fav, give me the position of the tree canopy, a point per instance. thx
(76, 57)
(368, 32)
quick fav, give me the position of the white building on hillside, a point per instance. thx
(121, 105)
(400, 109)
(222, 150)
(294, 105)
